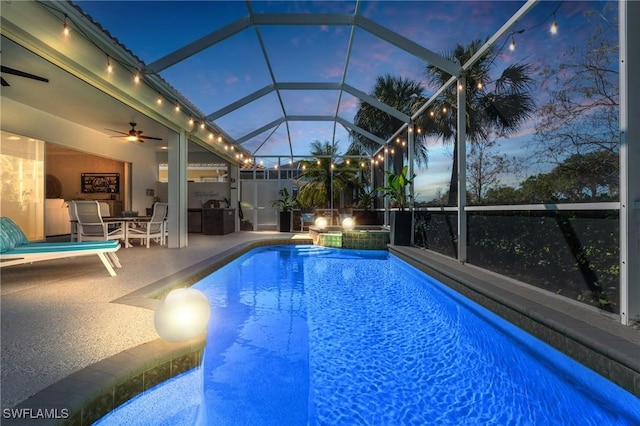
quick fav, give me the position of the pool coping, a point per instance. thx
(89, 394)
(607, 352)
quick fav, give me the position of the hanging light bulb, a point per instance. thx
(554, 26)
(512, 45)
(190, 121)
(65, 27)
(136, 77)
(177, 107)
(109, 66)
(479, 86)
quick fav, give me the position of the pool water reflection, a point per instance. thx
(312, 335)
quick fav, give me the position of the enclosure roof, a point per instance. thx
(276, 76)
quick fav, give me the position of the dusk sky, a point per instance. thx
(236, 67)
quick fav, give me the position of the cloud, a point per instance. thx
(231, 79)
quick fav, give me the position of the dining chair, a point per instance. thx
(154, 229)
(91, 226)
(73, 219)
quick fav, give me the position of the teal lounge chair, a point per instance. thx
(15, 249)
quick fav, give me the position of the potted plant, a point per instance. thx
(285, 203)
(366, 216)
(399, 220)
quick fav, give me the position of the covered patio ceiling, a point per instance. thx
(277, 76)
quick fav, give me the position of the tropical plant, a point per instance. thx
(497, 106)
(404, 95)
(286, 202)
(324, 177)
(396, 188)
(365, 197)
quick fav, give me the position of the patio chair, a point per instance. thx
(91, 227)
(154, 229)
(73, 218)
(16, 249)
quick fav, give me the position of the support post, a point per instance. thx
(462, 169)
(411, 130)
(177, 216)
(629, 35)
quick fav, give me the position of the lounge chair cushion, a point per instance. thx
(11, 235)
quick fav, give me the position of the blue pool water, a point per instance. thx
(308, 335)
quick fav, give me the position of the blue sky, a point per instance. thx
(236, 67)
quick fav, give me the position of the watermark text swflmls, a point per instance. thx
(35, 413)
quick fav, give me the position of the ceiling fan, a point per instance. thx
(133, 135)
(19, 73)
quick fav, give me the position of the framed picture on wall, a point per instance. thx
(106, 183)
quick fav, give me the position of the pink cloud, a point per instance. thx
(231, 79)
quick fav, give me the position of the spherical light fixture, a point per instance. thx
(348, 223)
(321, 222)
(182, 315)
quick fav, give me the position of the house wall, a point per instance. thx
(67, 165)
(88, 143)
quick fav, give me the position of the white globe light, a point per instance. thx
(348, 223)
(321, 222)
(182, 314)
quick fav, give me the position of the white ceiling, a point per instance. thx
(70, 98)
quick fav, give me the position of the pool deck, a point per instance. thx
(69, 330)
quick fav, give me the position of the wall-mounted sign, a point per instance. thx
(106, 183)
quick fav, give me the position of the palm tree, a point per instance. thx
(492, 106)
(324, 177)
(404, 95)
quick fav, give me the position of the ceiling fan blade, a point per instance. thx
(4, 82)
(22, 74)
(117, 131)
(150, 137)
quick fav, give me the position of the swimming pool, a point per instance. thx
(312, 335)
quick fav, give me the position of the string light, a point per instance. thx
(65, 26)
(159, 100)
(190, 121)
(202, 125)
(136, 78)
(109, 66)
(554, 26)
(512, 45)
(219, 138)
(210, 136)
(177, 107)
